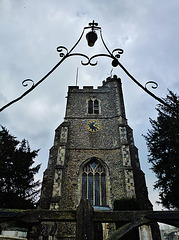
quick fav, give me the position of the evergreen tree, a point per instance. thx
(163, 145)
(17, 186)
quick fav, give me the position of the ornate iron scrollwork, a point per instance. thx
(64, 53)
(60, 49)
(154, 84)
(25, 83)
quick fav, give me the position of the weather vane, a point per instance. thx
(64, 53)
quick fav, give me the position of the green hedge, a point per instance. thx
(124, 204)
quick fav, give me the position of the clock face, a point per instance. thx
(93, 126)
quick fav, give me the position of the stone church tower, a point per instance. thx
(94, 155)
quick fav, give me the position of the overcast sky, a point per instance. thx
(30, 32)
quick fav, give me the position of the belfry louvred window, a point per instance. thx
(94, 183)
(93, 106)
(90, 106)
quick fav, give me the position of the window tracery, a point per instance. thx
(94, 183)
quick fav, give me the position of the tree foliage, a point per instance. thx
(163, 145)
(17, 186)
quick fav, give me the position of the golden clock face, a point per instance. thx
(93, 126)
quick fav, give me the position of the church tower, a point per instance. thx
(94, 156)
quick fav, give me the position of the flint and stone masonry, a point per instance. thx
(93, 155)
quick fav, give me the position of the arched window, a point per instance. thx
(96, 106)
(93, 106)
(90, 106)
(94, 183)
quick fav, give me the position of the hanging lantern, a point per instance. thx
(91, 38)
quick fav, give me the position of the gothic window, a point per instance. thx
(96, 106)
(90, 106)
(93, 106)
(94, 183)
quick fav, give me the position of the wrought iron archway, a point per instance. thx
(64, 53)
